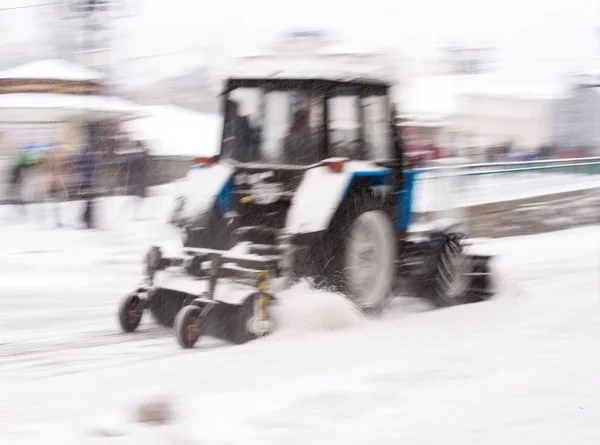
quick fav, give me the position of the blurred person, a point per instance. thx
(299, 148)
(137, 176)
(241, 141)
(19, 175)
(84, 166)
(112, 163)
(15, 190)
(53, 169)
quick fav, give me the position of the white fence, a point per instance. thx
(438, 188)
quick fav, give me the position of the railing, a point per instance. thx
(441, 187)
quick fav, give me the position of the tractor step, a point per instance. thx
(257, 234)
(223, 257)
(230, 270)
(266, 250)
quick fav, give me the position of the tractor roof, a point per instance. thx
(297, 70)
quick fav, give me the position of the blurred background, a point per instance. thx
(487, 82)
(501, 82)
(105, 104)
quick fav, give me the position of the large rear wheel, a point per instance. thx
(359, 258)
(450, 281)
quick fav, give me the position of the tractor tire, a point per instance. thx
(359, 253)
(188, 326)
(481, 287)
(130, 312)
(165, 304)
(447, 284)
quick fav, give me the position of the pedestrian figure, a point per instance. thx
(15, 191)
(18, 175)
(85, 164)
(137, 177)
(53, 169)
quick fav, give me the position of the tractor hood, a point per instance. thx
(265, 185)
(262, 194)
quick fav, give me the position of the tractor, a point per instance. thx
(309, 184)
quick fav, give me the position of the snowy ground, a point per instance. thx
(518, 369)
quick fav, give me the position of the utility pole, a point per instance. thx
(94, 20)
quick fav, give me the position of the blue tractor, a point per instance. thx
(309, 184)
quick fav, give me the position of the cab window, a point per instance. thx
(343, 123)
(377, 127)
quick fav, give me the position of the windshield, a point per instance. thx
(273, 126)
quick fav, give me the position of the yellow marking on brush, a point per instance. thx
(263, 314)
(246, 199)
(262, 286)
(263, 299)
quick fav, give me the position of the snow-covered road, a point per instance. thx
(518, 369)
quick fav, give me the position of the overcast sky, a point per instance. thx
(546, 34)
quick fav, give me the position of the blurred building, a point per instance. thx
(510, 111)
(576, 118)
(54, 101)
(315, 47)
(430, 101)
(480, 112)
(470, 109)
(426, 108)
(468, 60)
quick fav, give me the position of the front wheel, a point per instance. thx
(130, 312)
(188, 326)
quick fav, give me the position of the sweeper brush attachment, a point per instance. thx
(197, 312)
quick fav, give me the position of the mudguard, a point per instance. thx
(205, 185)
(322, 191)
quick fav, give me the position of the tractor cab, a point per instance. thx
(294, 123)
(280, 129)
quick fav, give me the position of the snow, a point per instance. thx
(316, 200)
(310, 68)
(37, 107)
(175, 131)
(201, 187)
(317, 197)
(520, 368)
(348, 49)
(55, 69)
